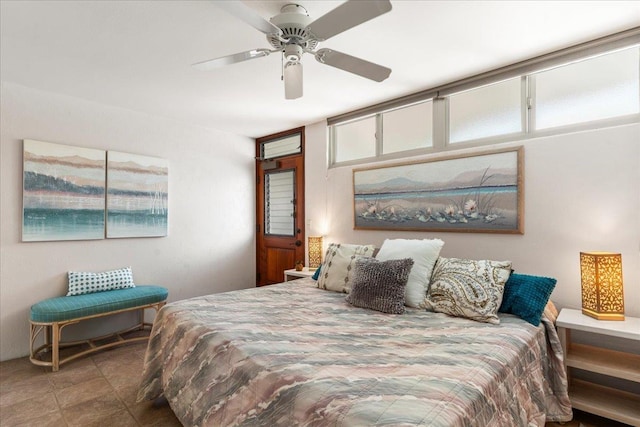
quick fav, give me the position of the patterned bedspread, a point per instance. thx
(295, 355)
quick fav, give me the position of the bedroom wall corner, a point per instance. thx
(211, 244)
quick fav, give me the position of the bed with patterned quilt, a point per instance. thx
(296, 354)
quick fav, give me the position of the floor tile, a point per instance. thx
(82, 371)
(94, 412)
(17, 392)
(16, 370)
(49, 420)
(29, 410)
(128, 394)
(118, 419)
(148, 414)
(121, 374)
(83, 392)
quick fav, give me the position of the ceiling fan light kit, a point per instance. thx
(293, 33)
(293, 80)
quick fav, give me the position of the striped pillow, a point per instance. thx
(338, 264)
(87, 283)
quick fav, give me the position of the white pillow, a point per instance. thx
(424, 254)
(338, 265)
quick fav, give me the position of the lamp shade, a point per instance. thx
(292, 80)
(315, 251)
(602, 293)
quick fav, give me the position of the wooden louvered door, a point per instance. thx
(280, 205)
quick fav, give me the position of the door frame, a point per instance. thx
(300, 197)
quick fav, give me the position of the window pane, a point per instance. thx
(490, 110)
(355, 140)
(408, 128)
(597, 88)
(279, 202)
(282, 147)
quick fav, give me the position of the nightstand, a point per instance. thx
(588, 396)
(294, 274)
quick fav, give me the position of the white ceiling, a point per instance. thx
(137, 54)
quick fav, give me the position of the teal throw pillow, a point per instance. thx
(526, 296)
(316, 274)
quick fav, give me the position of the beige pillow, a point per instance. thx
(468, 288)
(337, 268)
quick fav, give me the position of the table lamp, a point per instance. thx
(602, 293)
(315, 252)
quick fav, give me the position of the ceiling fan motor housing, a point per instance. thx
(293, 20)
(293, 52)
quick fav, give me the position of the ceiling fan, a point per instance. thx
(294, 33)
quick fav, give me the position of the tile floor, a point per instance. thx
(100, 390)
(97, 390)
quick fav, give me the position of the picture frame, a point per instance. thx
(480, 192)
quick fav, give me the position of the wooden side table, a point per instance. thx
(589, 396)
(293, 274)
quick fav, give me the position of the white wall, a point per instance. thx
(582, 193)
(210, 247)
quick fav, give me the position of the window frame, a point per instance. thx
(525, 70)
(262, 145)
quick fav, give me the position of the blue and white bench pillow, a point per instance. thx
(86, 283)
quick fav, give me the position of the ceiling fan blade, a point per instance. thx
(347, 15)
(231, 59)
(293, 80)
(248, 15)
(353, 65)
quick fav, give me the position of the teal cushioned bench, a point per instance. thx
(65, 308)
(51, 315)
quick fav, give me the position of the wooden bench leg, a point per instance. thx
(55, 347)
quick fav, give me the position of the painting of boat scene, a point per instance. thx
(137, 195)
(475, 193)
(63, 192)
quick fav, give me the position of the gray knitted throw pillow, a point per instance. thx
(379, 285)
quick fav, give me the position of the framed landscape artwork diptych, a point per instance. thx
(63, 194)
(482, 192)
(137, 195)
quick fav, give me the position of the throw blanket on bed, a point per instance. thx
(295, 355)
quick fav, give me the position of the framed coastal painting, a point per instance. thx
(137, 195)
(63, 194)
(481, 192)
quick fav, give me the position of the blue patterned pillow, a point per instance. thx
(526, 296)
(316, 274)
(87, 283)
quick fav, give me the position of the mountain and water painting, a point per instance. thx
(479, 193)
(63, 192)
(137, 195)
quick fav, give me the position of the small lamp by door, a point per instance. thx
(315, 252)
(602, 293)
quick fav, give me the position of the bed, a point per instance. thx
(292, 354)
